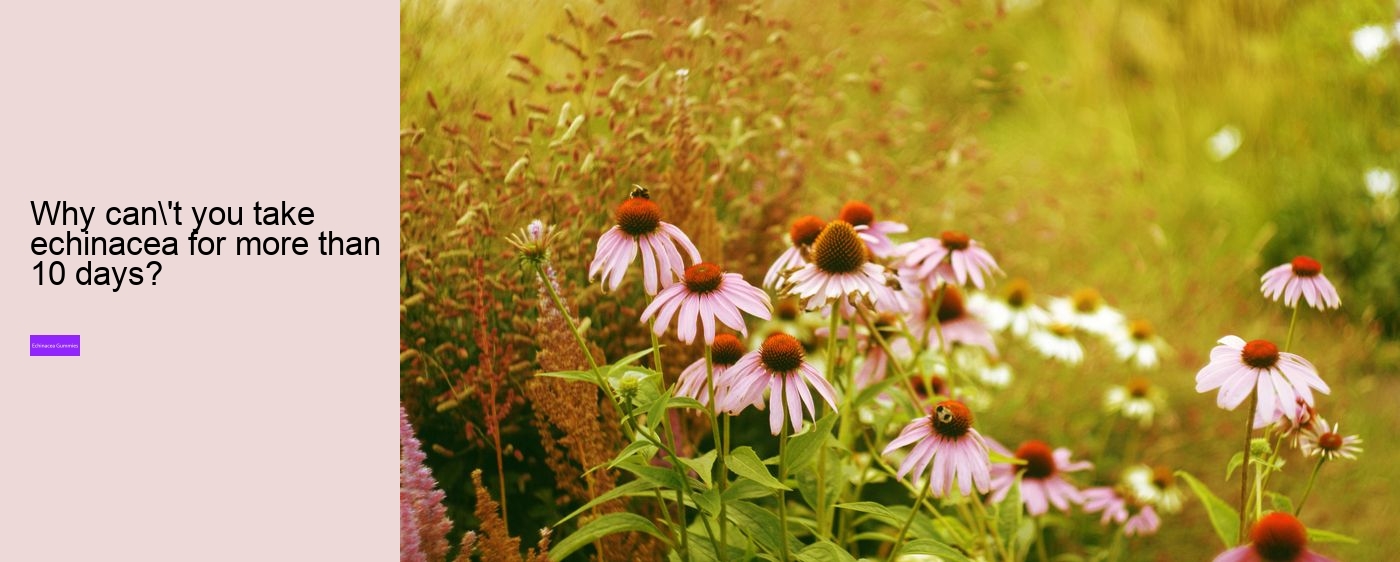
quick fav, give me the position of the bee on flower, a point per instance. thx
(639, 229)
(947, 447)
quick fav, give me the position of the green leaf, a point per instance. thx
(656, 408)
(707, 501)
(1321, 536)
(1223, 517)
(824, 551)
(1280, 502)
(601, 527)
(1009, 515)
(685, 402)
(620, 364)
(704, 465)
(584, 376)
(631, 488)
(1234, 465)
(759, 523)
(802, 449)
(663, 477)
(879, 511)
(999, 458)
(642, 447)
(930, 547)
(744, 462)
(745, 490)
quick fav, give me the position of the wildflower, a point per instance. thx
(1136, 343)
(1238, 368)
(955, 323)
(1015, 310)
(1137, 400)
(801, 235)
(1300, 277)
(1276, 537)
(705, 295)
(639, 227)
(724, 353)
(1155, 486)
(1326, 440)
(1290, 428)
(876, 235)
(954, 258)
(778, 366)
(947, 442)
(1086, 310)
(839, 269)
(423, 521)
(1041, 482)
(533, 241)
(1119, 510)
(1057, 342)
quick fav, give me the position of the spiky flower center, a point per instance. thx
(837, 249)
(1040, 460)
(1086, 300)
(703, 277)
(951, 419)
(805, 230)
(950, 305)
(857, 213)
(1260, 354)
(781, 353)
(1304, 266)
(954, 240)
(1278, 537)
(638, 216)
(1162, 478)
(1018, 293)
(788, 309)
(1141, 330)
(1138, 387)
(1330, 442)
(726, 350)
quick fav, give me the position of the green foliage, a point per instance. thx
(1223, 518)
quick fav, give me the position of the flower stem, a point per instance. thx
(721, 448)
(913, 510)
(1288, 344)
(1244, 474)
(782, 478)
(578, 338)
(1297, 511)
(1040, 539)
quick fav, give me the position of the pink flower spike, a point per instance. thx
(1300, 277)
(779, 367)
(1281, 379)
(706, 295)
(639, 229)
(948, 448)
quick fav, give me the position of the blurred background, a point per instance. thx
(1164, 153)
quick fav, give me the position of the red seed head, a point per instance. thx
(1260, 354)
(1330, 442)
(1040, 459)
(638, 216)
(781, 353)
(950, 306)
(703, 277)
(1304, 266)
(951, 419)
(954, 240)
(804, 230)
(727, 350)
(857, 213)
(838, 249)
(1278, 537)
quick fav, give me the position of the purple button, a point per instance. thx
(54, 346)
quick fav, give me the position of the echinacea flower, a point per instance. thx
(953, 257)
(801, 235)
(956, 325)
(1289, 428)
(706, 295)
(1137, 344)
(1155, 486)
(1276, 537)
(724, 353)
(1042, 483)
(875, 234)
(876, 362)
(1119, 509)
(777, 366)
(1056, 341)
(840, 269)
(1300, 277)
(1086, 310)
(1138, 400)
(1327, 441)
(1015, 311)
(640, 228)
(1238, 368)
(946, 442)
